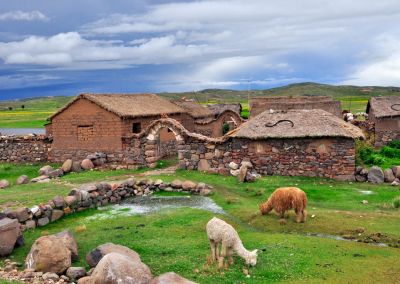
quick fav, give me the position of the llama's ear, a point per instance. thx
(255, 251)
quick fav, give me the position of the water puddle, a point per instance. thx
(366, 192)
(339, 238)
(151, 204)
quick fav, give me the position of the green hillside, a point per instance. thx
(36, 110)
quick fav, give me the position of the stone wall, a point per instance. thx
(328, 158)
(24, 149)
(386, 130)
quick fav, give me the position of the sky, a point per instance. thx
(54, 47)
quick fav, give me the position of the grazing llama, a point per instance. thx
(220, 232)
(286, 198)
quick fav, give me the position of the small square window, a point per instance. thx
(136, 127)
(85, 132)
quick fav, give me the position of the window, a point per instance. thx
(169, 130)
(85, 132)
(136, 127)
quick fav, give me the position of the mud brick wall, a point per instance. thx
(24, 149)
(328, 157)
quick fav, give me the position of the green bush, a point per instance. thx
(390, 152)
(394, 144)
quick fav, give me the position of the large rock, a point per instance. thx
(22, 214)
(75, 273)
(116, 268)
(171, 278)
(176, 184)
(9, 233)
(4, 183)
(49, 254)
(188, 185)
(55, 173)
(242, 173)
(87, 164)
(396, 171)
(69, 241)
(389, 176)
(56, 214)
(76, 167)
(67, 166)
(59, 201)
(203, 165)
(376, 175)
(94, 256)
(22, 180)
(43, 171)
(40, 178)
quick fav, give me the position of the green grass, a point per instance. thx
(385, 157)
(175, 239)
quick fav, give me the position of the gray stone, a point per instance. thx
(247, 164)
(50, 276)
(188, 185)
(43, 221)
(170, 277)
(56, 214)
(242, 173)
(75, 273)
(176, 184)
(94, 256)
(22, 214)
(233, 166)
(30, 224)
(43, 171)
(361, 178)
(67, 166)
(40, 178)
(22, 180)
(4, 183)
(235, 173)
(55, 173)
(9, 233)
(203, 165)
(59, 202)
(376, 175)
(76, 167)
(87, 164)
(389, 176)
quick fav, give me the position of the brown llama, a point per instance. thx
(284, 199)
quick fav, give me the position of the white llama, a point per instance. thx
(220, 232)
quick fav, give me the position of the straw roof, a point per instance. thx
(381, 107)
(295, 99)
(194, 109)
(129, 105)
(296, 124)
(217, 109)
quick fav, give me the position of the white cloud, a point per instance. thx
(23, 16)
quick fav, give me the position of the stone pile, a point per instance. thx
(12, 222)
(244, 172)
(376, 175)
(50, 262)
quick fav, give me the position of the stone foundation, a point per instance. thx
(24, 149)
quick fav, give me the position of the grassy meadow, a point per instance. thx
(175, 239)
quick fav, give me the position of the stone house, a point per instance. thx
(100, 122)
(289, 143)
(384, 112)
(261, 104)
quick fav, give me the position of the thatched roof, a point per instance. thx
(194, 109)
(381, 107)
(129, 105)
(217, 109)
(296, 124)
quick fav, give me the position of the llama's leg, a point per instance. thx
(304, 215)
(282, 214)
(222, 256)
(299, 215)
(213, 251)
(230, 255)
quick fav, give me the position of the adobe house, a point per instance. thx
(100, 122)
(384, 112)
(260, 104)
(211, 122)
(312, 143)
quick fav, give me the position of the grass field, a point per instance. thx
(175, 239)
(37, 110)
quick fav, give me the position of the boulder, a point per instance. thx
(4, 183)
(233, 166)
(40, 178)
(59, 202)
(361, 178)
(115, 268)
(76, 167)
(22, 180)
(69, 241)
(56, 214)
(203, 165)
(50, 276)
(94, 256)
(43, 171)
(170, 277)
(188, 185)
(75, 273)
(242, 173)
(22, 214)
(9, 233)
(87, 164)
(176, 184)
(67, 166)
(55, 173)
(49, 254)
(389, 176)
(376, 175)
(71, 200)
(396, 171)
(43, 221)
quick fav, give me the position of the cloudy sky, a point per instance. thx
(52, 47)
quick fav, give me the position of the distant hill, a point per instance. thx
(353, 98)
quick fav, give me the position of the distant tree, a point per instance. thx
(9, 108)
(23, 106)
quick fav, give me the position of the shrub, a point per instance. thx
(390, 152)
(394, 144)
(396, 202)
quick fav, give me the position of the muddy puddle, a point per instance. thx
(151, 204)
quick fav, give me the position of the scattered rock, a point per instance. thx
(69, 241)
(9, 233)
(115, 268)
(55, 174)
(49, 254)
(389, 176)
(43, 171)
(4, 183)
(233, 166)
(176, 184)
(67, 166)
(50, 276)
(87, 164)
(22, 180)
(94, 256)
(40, 178)
(76, 167)
(376, 175)
(205, 192)
(242, 173)
(75, 273)
(170, 277)
(188, 185)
